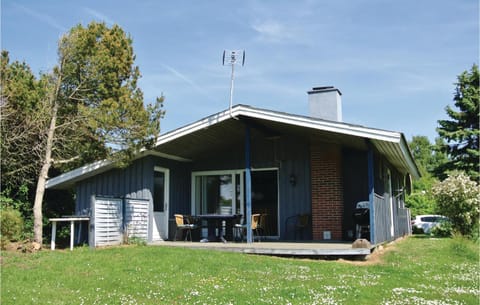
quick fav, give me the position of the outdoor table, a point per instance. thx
(214, 221)
(72, 220)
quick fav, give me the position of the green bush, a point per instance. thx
(444, 229)
(138, 241)
(458, 198)
(11, 223)
(416, 230)
(19, 201)
(421, 201)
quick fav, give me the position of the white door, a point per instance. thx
(160, 203)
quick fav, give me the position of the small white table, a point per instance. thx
(72, 228)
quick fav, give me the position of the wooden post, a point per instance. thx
(72, 233)
(248, 186)
(54, 232)
(371, 192)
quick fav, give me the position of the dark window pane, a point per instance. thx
(158, 191)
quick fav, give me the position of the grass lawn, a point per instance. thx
(415, 270)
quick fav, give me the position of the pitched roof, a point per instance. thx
(184, 143)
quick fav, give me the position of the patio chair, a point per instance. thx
(237, 227)
(183, 225)
(301, 223)
(263, 225)
(241, 228)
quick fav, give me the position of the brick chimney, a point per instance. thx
(325, 103)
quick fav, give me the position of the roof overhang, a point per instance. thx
(183, 143)
(69, 179)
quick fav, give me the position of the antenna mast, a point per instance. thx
(233, 57)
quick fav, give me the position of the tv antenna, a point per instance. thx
(233, 57)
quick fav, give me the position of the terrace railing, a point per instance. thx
(382, 217)
(403, 224)
(382, 220)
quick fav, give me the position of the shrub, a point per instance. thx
(138, 241)
(444, 229)
(19, 201)
(11, 224)
(416, 230)
(458, 198)
(421, 201)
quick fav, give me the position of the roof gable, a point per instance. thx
(391, 144)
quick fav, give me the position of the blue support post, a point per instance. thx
(248, 185)
(371, 192)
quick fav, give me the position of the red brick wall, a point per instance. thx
(327, 191)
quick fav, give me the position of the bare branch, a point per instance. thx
(56, 162)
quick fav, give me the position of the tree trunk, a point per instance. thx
(43, 175)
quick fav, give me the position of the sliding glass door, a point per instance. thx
(265, 199)
(217, 192)
(223, 192)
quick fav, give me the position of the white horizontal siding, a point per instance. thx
(108, 221)
(136, 218)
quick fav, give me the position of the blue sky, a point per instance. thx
(395, 62)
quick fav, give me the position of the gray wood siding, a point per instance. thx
(180, 185)
(294, 199)
(132, 182)
(289, 155)
(135, 181)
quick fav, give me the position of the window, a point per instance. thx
(158, 191)
(214, 194)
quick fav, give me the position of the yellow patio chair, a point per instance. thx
(183, 225)
(241, 228)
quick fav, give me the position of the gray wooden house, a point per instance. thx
(243, 158)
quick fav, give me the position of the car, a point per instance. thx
(426, 223)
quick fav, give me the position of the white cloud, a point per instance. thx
(42, 17)
(97, 15)
(188, 80)
(273, 31)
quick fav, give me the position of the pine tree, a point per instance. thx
(460, 134)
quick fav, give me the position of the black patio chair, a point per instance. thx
(300, 224)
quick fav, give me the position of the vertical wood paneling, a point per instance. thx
(382, 220)
(294, 199)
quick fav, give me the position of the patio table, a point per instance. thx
(72, 220)
(215, 221)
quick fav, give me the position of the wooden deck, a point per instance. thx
(289, 249)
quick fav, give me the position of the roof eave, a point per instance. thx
(394, 138)
(68, 179)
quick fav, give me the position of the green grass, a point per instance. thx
(414, 271)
